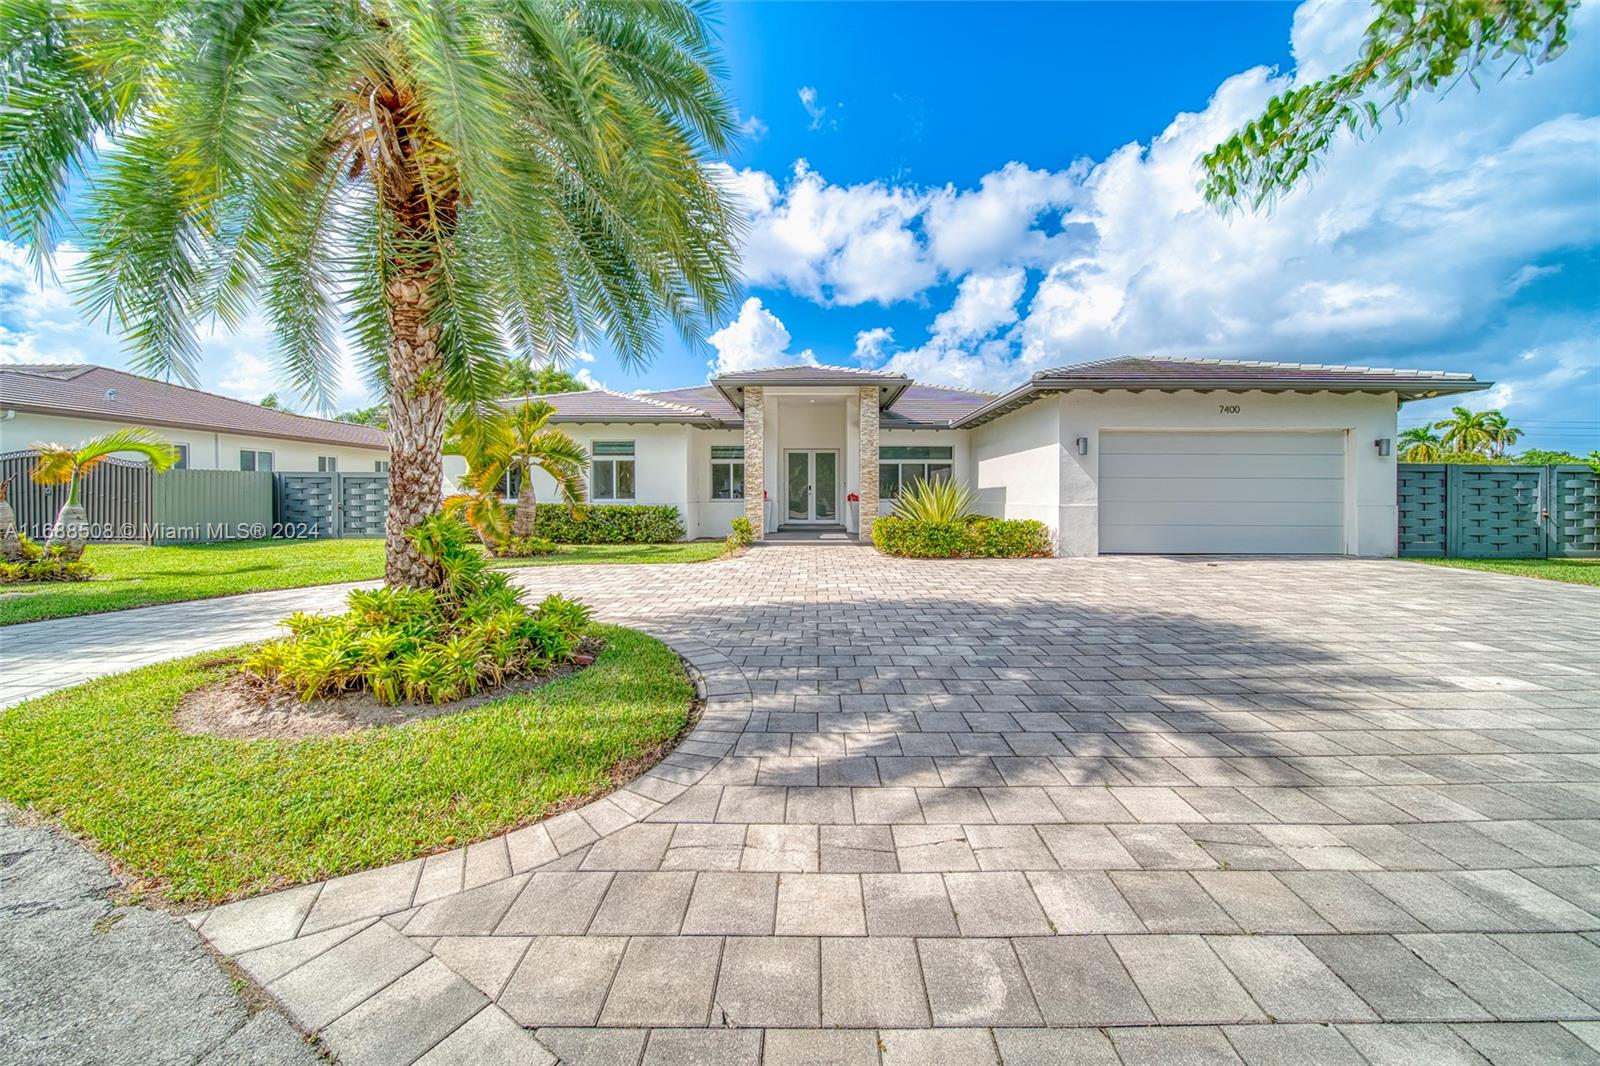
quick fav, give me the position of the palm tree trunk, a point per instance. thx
(522, 520)
(70, 534)
(416, 428)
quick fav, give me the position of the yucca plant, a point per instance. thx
(435, 178)
(940, 501)
(59, 464)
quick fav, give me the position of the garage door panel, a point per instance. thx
(1221, 493)
(1205, 490)
(1225, 513)
(1227, 540)
(1249, 443)
(1217, 464)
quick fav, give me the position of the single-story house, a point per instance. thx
(1138, 455)
(69, 403)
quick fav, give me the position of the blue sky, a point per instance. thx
(971, 192)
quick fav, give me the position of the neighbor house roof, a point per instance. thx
(1172, 374)
(732, 385)
(83, 390)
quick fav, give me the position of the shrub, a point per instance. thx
(37, 564)
(525, 547)
(937, 502)
(430, 645)
(610, 524)
(977, 536)
(743, 534)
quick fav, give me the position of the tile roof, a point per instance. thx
(807, 372)
(1169, 373)
(932, 405)
(603, 405)
(84, 390)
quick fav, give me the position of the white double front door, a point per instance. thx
(811, 484)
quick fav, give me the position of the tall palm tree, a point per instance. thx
(1464, 431)
(1502, 434)
(436, 177)
(1419, 444)
(61, 464)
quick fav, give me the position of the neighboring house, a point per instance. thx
(71, 403)
(1122, 455)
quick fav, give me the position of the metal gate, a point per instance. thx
(330, 504)
(115, 495)
(1498, 511)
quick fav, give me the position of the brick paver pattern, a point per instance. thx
(1060, 811)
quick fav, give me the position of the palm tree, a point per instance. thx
(519, 441)
(442, 180)
(1502, 434)
(478, 502)
(1464, 431)
(59, 464)
(1419, 444)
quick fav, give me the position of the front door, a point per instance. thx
(812, 481)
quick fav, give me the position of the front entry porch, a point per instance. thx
(811, 462)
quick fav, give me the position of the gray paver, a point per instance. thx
(562, 980)
(1080, 981)
(976, 982)
(1392, 981)
(407, 1018)
(872, 982)
(1287, 981)
(663, 981)
(1182, 981)
(769, 981)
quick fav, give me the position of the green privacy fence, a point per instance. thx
(198, 506)
(1498, 511)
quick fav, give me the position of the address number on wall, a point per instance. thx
(1227, 408)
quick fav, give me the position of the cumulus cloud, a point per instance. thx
(754, 340)
(871, 343)
(1405, 248)
(817, 112)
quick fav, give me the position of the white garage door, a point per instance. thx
(1270, 493)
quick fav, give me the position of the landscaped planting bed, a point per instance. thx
(971, 537)
(203, 819)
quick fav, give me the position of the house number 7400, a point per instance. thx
(1227, 408)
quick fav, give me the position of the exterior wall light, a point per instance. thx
(1385, 446)
(1083, 445)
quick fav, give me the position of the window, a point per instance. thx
(380, 466)
(611, 476)
(327, 464)
(727, 472)
(183, 457)
(898, 467)
(510, 485)
(254, 460)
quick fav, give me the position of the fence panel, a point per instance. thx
(115, 496)
(307, 503)
(363, 502)
(1497, 512)
(1424, 511)
(197, 506)
(1574, 505)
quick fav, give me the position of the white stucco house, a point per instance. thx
(1138, 455)
(68, 403)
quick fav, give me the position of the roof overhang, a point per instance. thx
(63, 411)
(890, 386)
(1405, 388)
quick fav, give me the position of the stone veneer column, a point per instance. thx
(755, 459)
(869, 460)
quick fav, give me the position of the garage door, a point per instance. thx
(1271, 493)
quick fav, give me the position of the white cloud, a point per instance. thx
(871, 343)
(984, 303)
(754, 340)
(808, 100)
(249, 377)
(752, 129)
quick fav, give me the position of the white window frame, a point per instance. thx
(613, 462)
(327, 464)
(183, 457)
(948, 463)
(380, 466)
(735, 467)
(255, 460)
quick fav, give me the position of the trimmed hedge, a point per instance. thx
(610, 523)
(977, 537)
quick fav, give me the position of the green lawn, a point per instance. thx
(1572, 571)
(136, 576)
(205, 819)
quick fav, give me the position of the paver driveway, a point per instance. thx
(1033, 812)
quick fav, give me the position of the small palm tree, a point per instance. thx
(518, 441)
(1419, 444)
(480, 505)
(434, 178)
(59, 464)
(1502, 434)
(1465, 431)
